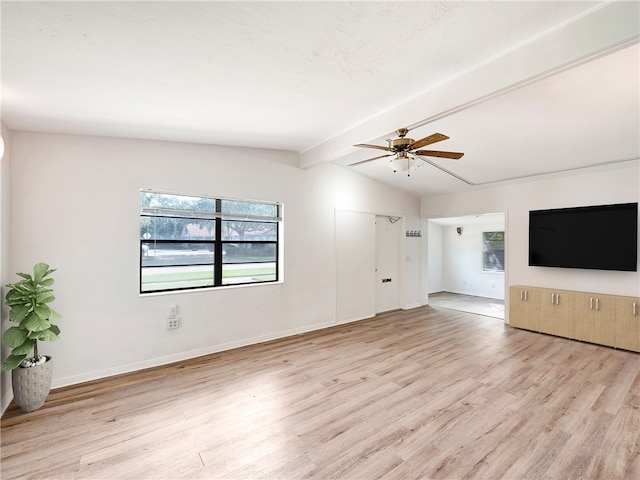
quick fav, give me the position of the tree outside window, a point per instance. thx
(493, 251)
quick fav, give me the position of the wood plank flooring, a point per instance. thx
(418, 394)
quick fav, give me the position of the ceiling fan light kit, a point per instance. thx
(405, 162)
(404, 153)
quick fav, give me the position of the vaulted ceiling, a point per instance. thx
(525, 89)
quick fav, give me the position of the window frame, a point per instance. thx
(216, 243)
(484, 252)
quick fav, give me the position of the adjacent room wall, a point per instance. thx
(462, 262)
(75, 205)
(599, 186)
(435, 257)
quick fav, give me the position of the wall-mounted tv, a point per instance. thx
(601, 237)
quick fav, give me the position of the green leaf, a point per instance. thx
(45, 296)
(53, 315)
(27, 286)
(47, 282)
(14, 336)
(26, 276)
(42, 311)
(45, 335)
(14, 292)
(55, 329)
(35, 323)
(13, 361)
(18, 312)
(25, 348)
(40, 271)
(20, 289)
(15, 304)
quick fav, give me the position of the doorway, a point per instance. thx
(460, 250)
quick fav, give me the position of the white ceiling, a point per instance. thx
(523, 88)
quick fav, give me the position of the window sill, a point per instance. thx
(209, 289)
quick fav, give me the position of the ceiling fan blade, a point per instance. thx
(436, 153)
(433, 138)
(370, 159)
(379, 147)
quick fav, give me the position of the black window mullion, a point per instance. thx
(217, 251)
(278, 249)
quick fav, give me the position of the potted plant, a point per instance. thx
(28, 301)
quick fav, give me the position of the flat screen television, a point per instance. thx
(601, 237)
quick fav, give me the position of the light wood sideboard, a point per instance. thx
(589, 317)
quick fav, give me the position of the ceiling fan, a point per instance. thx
(405, 152)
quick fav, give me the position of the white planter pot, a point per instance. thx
(31, 386)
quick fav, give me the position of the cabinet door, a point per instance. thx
(627, 323)
(517, 310)
(604, 308)
(583, 318)
(555, 313)
(523, 308)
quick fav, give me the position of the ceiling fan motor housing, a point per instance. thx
(401, 144)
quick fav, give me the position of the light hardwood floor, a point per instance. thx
(407, 394)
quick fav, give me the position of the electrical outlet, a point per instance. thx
(173, 322)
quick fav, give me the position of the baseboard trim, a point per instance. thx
(355, 319)
(188, 355)
(413, 305)
(6, 401)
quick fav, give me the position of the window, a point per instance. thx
(493, 251)
(189, 242)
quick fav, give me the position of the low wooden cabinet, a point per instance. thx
(524, 308)
(589, 317)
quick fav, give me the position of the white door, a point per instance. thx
(388, 246)
(355, 265)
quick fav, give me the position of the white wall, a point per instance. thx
(75, 205)
(5, 275)
(413, 294)
(601, 186)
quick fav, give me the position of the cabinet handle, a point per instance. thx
(597, 304)
(526, 295)
(591, 303)
(557, 299)
(553, 301)
(521, 295)
(634, 309)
